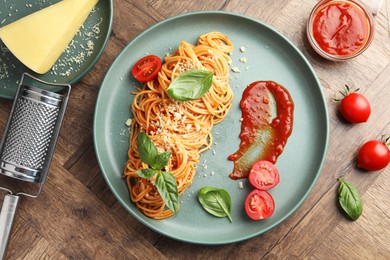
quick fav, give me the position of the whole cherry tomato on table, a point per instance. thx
(354, 107)
(374, 155)
(147, 68)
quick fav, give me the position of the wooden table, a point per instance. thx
(77, 217)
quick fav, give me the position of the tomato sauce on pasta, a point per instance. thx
(184, 128)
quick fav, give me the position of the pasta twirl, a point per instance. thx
(184, 128)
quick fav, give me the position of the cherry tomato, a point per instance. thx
(355, 108)
(259, 204)
(264, 175)
(147, 68)
(374, 155)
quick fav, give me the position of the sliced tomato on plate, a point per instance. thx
(259, 204)
(147, 68)
(264, 175)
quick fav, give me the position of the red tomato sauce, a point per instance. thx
(341, 28)
(267, 120)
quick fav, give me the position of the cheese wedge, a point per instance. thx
(39, 39)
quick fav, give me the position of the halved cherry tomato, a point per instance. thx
(264, 175)
(147, 68)
(374, 155)
(259, 204)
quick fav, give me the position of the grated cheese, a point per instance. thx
(129, 122)
(72, 61)
(197, 127)
(243, 60)
(235, 69)
(4, 66)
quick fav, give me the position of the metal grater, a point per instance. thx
(29, 134)
(28, 143)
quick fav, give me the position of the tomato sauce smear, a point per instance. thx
(267, 122)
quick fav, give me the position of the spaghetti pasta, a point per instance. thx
(184, 128)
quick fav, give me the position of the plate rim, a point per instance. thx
(326, 127)
(93, 62)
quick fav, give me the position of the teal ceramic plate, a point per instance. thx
(270, 56)
(76, 60)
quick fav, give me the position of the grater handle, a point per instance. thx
(7, 216)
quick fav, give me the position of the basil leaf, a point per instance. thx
(350, 200)
(162, 160)
(167, 187)
(216, 201)
(146, 149)
(146, 173)
(165, 182)
(190, 85)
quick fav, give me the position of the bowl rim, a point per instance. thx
(371, 21)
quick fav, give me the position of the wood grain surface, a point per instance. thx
(77, 216)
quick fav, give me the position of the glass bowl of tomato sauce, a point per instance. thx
(339, 29)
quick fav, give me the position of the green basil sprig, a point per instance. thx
(216, 201)
(350, 200)
(165, 181)
(146, 149)
(167, 187)
(190, 85)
